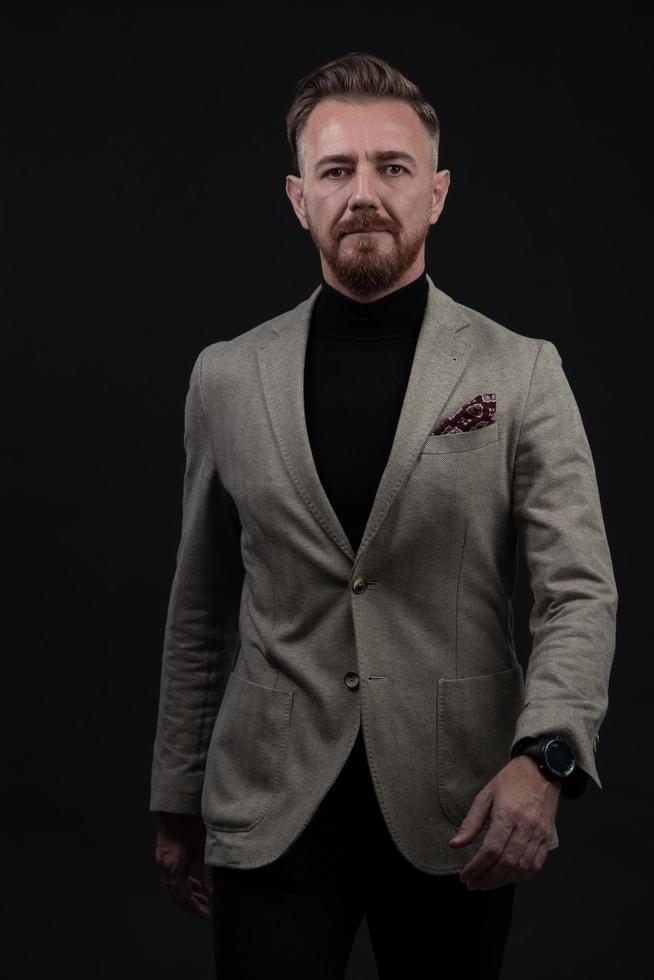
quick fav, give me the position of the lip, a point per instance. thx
(369, 231)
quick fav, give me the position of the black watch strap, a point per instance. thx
(572, 786)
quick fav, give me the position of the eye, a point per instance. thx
(334, 169)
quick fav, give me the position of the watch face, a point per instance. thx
(560, 757)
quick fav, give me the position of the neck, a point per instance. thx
(388, 315)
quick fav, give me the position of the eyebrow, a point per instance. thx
(381, 155)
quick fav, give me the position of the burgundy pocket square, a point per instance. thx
(475, 414)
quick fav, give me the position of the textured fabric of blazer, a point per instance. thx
(280, 641)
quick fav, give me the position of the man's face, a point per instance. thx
(368, 216)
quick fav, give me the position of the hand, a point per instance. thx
(180, 839)
(522, 804)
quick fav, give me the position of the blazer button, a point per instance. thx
(360, 584)
(352, 680)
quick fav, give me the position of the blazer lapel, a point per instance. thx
(442, 351)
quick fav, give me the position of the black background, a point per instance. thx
(146, 217)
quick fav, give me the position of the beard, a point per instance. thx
(367, 264)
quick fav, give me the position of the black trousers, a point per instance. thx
(297, 918)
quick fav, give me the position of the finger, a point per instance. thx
(196, 908)
(474, 821)
(542, 854)
(179, 895)
(505, 864)
(526, 867)
(492, 847)
(520, 872)
(201, 896)
(527, 864)
(174, 871)
(201, 888)
(193, 901)
(199, 908)
(178, 889)
(207, 877)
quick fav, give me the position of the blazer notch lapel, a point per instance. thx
(442, 351)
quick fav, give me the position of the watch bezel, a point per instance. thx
(545, 748)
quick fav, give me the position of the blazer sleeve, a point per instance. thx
(559, 522)
(201, 636)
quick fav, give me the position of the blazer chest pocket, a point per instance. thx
(476, 722)
(246, 753)
(462, 442)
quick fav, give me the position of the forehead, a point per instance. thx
(337, 125)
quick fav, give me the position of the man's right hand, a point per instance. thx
(180, 840)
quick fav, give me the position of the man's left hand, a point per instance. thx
(522, 804)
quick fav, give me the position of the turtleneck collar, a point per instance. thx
(382, 317)
(393, 304)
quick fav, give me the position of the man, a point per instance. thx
(340, 689)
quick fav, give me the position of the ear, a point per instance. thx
(295, 192)
(441, 184)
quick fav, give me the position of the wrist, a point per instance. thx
(531, 765)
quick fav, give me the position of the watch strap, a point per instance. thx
(572, 786)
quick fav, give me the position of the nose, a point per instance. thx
(363, 191)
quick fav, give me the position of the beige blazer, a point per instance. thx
(280, 641)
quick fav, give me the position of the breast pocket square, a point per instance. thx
(475, 414)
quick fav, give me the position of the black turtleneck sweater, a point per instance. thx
(356, 371)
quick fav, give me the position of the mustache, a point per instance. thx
(352, 229)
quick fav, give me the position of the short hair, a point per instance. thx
(356, 76)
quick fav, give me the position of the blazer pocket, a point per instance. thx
(462, 442)
(476, 723)
(246, 753)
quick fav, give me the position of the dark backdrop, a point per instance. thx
(146, 217)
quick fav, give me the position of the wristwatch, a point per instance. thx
(556, 760)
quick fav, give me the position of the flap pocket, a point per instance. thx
(476, 723)
(246, 753)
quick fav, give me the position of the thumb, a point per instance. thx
(469, 826)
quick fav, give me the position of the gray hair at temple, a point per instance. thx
(356, 77)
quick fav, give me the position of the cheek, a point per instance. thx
(329, 194)
(415, 209)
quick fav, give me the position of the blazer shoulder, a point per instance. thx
(223, 351)
(224, 358)
(503, 338)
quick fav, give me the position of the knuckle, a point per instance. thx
(528, 821)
